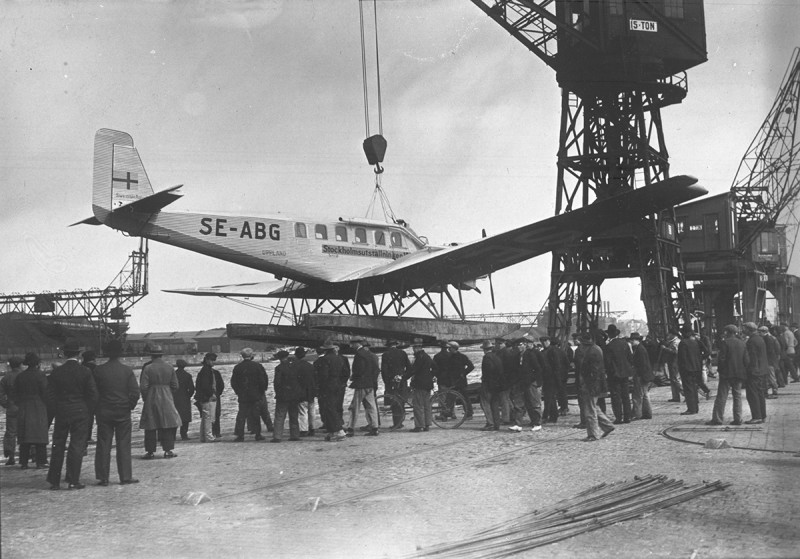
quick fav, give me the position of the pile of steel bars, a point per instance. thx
(599, 506)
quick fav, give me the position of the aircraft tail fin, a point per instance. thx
(119, 176)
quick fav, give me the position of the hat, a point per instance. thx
(210, 355)
(612, 330)
(487, 345)
(247, 352)
(114, 348)
(763, 329)
(282, 354)
(391, 342)
(585, 338)
(357, 341)
(635, 336)
(731, 329)
(673, 331)
(15, 362)
(300, 352)
(156, 350)
(527, 338)
(180, 363)
(687, 329)
(89, 355)
(417, 342)
(31, 359)
(750, 326)
(499, 340)
(327, 344)
(452, 344)
(72, 346)
(544, 338)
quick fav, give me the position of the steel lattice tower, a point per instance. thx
(619, 63)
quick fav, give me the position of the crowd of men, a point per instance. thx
(523, 385)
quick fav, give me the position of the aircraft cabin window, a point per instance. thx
(341, 233)
(300, 230)
(397, 239)
(380, 238)
(320, 231)
(360, 235)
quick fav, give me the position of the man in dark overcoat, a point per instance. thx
(690, 367)
(118, 395)
(642, 379)
(329, 369)
(757, 373)
(732, 371)
(205, 397)
(364, 380)
(421, 373)
(72, 395)
(493, 384)
(183, 397)
(619, 372)
(530, 383)
(8, 401)
(458, 367)
(394, 364)
(30, 389)
(247, 382)
(590, 366)
(288, 392)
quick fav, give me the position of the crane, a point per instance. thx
(619, 63)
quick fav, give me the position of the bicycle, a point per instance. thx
(448, 407)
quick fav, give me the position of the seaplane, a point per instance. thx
(362, 270)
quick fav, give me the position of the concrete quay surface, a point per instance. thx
(391, 495)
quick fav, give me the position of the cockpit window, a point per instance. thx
(360, 235)
(300, 230)
(341, 233)
(380, 238)
(397, 239)
(320, 232)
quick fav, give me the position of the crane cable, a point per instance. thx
(364, 67)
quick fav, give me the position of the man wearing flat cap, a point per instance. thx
(458, 367)
(183, 397)
(205, 397)
(619, 372)
(72, 393)
(690, 367)
(757, 373)
(247, 381)
(590, 367)
(732, 370)
(364, 381)
(642, 379)
(331, 377)
(118, 395)
(773, 348)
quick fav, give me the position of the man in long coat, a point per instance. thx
(30, 388)
(757, 373)
(690, 366)
(288, 392)
(589, 365)
(619, 372)
(458, 367)
(421, 373)
(394, 364)
(530, 384)
(183, 397)
(160, 419)
(329, 370)
(72, 394)
(247, 382)
(642, 379)
(8, 401)
(118, 395)
(493, 383)
(732, 364)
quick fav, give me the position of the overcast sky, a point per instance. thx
(256, 107)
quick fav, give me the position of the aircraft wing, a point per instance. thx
(256, 289)
(475, 259)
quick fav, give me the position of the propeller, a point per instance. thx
(491, 287)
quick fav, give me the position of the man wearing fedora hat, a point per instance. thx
(205, 398)
(619, 372)
(590, 367)
(394, 365)
(160, 419)
(642, 379)
(492, 386)
(72, 392)
(247, 382)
